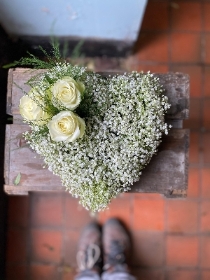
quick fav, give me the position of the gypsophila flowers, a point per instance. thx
(99, 133)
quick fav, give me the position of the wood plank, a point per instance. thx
(24, 161)
(9, 91)
(19, 77)
(166, 173)
(24, 190)
(7, 154)
(176, 87)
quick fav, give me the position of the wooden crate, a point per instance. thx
(167, 173)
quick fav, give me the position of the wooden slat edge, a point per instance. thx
(9, 91)
(7, 154)
(177, 193)
(11, 191)
(20, 190)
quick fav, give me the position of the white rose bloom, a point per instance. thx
(66, 126)
(30, 111)
(67, 92)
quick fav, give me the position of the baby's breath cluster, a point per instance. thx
(124, 123)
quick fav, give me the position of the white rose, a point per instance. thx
(67, 92)
(30, 111)
(66, 126)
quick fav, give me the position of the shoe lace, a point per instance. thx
(116, 254)
(88, 258)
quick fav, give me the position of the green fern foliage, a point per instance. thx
(33, 61)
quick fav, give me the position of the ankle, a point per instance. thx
(115, 268)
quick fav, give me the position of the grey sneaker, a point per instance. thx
(116, 246)
(89, 255)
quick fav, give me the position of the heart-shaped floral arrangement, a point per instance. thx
(95, 133)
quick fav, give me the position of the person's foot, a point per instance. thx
(116, 246)
(89, 255)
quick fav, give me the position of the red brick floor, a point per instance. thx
(171, 237)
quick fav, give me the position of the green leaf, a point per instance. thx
(48, 79)
(10, 65)
(17, 179)
(77, 49)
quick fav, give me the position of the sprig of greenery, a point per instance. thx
(77, 50)
(50, 60)
(33, 61)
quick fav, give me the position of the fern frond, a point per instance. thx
(50, 58)
(56, 50)
(33, 61)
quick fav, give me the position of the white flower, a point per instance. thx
(31, 111)
(67, 92)
(66, 126)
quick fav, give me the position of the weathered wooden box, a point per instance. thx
(166, 174)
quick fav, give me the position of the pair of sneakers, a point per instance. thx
(104, 249)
